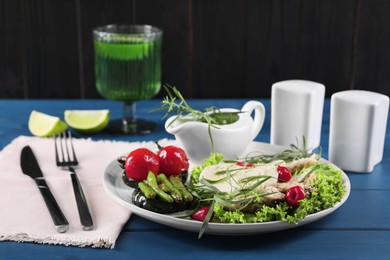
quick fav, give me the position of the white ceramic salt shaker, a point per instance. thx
(296, 112)
(358, 122)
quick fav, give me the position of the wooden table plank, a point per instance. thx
(292, 244)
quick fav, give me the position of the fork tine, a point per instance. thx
(68, 159)
(56, 150)
(74, 161)
(64, 160)
(64, 150)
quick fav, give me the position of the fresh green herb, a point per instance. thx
(221, 118)
(174, 103)
(206, 189)
(294, 153)
(206, 220)
(310, 171)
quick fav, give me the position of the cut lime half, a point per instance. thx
(44, 125)
(87, 121)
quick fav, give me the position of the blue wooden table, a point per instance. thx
(359, 229)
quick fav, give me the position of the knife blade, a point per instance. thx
(30, 167)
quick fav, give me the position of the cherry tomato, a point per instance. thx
(284, 174)
(201, 213)
(294, 195)
(139, 162)
(173, 160)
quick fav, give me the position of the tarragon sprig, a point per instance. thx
(295, 152)
(174, 103)
(242, 197)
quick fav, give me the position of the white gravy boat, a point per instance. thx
(231, 139)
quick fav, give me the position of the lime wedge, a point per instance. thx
(45, 125)
(87, 121)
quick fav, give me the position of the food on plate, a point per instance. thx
(294, 195)
(140, 162)
(250, 186)
(250, 194)
(284, 174)
(162, 195)
(285, 186)
(170, 160)
(173, 160)
(157, 179)
(201, 214)
(137, 164)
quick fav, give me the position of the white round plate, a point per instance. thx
(122, 194)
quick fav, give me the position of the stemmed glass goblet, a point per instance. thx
(128, 68)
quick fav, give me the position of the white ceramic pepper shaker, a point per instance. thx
(296, 112)
(358, 121)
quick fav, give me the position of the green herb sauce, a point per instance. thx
(224, 118)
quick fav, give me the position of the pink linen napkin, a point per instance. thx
(23, 213)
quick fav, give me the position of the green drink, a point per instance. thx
(128, 67)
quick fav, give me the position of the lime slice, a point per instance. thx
(87, 121)
(44, 125)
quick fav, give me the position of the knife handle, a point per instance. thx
(82, 205)
(60, 222)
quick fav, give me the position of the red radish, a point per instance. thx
(201, 213)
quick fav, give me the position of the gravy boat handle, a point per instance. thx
(259, 116)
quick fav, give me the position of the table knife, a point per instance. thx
(31, 168)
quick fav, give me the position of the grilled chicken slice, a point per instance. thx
(260, 179)
(301, 163)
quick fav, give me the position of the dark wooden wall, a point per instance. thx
(211, 48)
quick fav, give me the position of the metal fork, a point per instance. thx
(64, 147)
